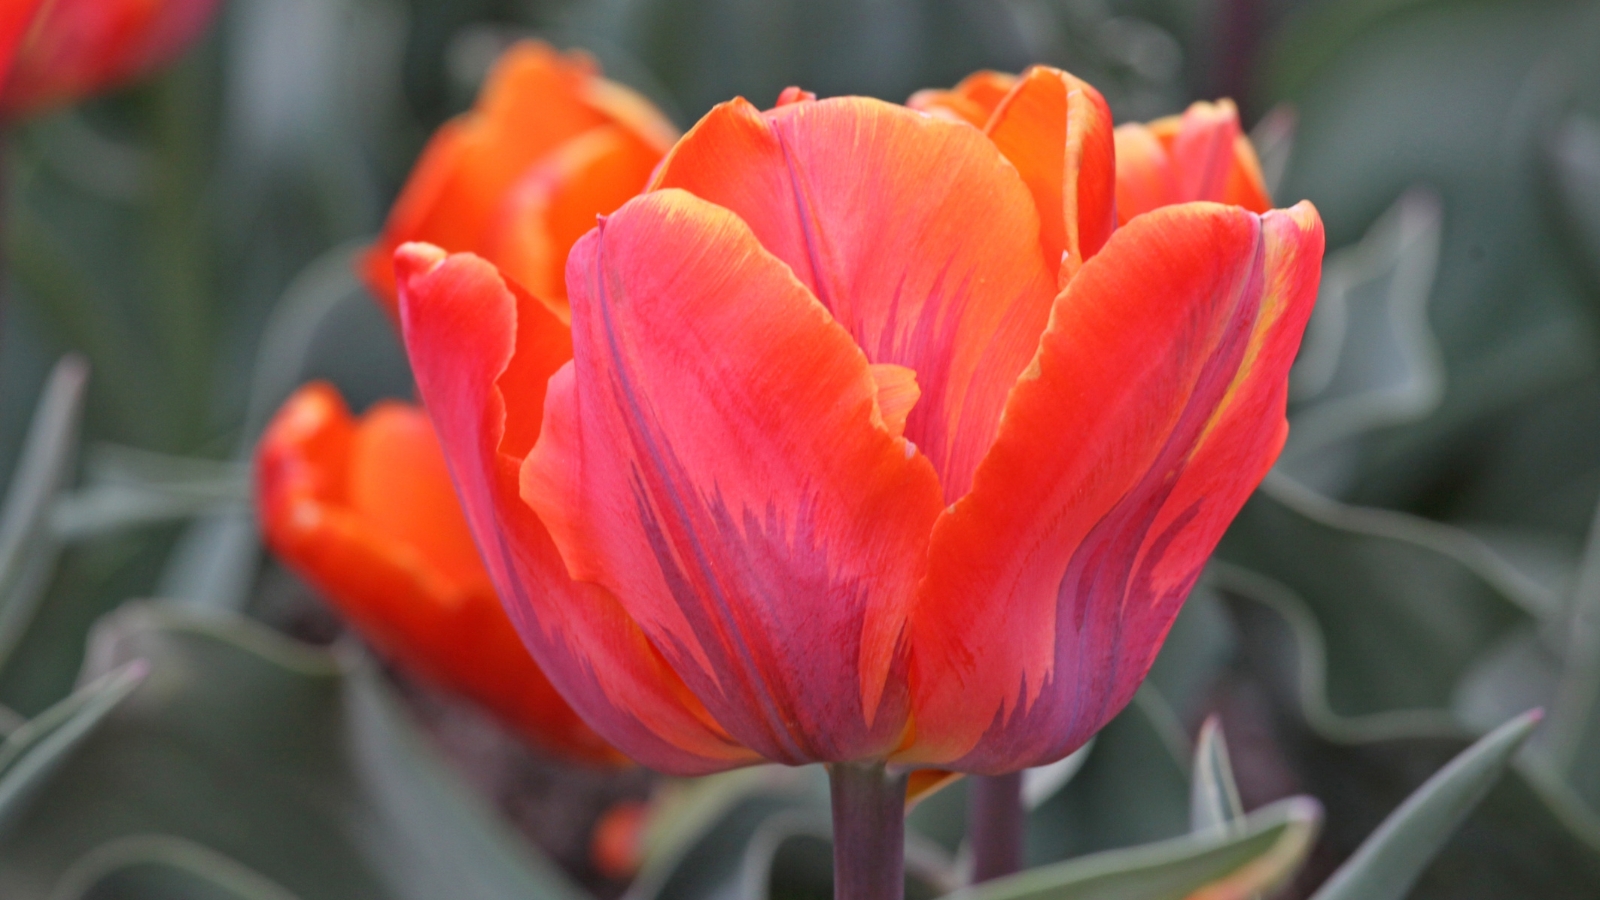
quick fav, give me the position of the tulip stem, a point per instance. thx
(995, 824)
(869, 832)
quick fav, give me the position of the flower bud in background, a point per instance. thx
(64, 50)
(1200, 155)
(616, 849)
(868, 440)
(548, 146)
(364, 510)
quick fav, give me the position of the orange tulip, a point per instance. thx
(53, 52)
(520, 177)
(869, 441)
(364, 510)
(1200, 155)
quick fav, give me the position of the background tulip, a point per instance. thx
(778, 460)
(549, 145)
(67, 49)
(364, 510)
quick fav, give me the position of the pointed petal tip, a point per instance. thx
(416, 259)
(794, 94)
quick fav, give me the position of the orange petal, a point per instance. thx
(1056, 129)
(557, 201)
(364, 510)
(1154, 408)
(483, 351)
(1145, 179)
(924, 783)
(897, 394)
(1201, 155)
(972, 101)
(913, 231)
(533, 102)
(715, 457)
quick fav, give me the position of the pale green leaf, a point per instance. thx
(1390, 861)
(1213, 796)
(1262, 855)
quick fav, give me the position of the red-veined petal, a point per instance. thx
(482, 351)
(913, 231)
(716, 457)
(1154, 408)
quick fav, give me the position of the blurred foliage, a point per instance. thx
(1423, 564)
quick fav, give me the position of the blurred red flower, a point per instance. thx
(53, 52)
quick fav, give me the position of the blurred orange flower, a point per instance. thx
(53, 52)
(548, 146)
(364, 510)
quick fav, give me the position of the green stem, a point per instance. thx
(995, 822)
(869, 832)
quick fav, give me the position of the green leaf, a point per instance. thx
(1391, 860)
(700, 829)
(289, 761)
(28, 549)
(1266, 851)
(1133, 789)
(163, 867)
(32, 753)
(1040, 783)
(1369, 358)
(1213, 796)
(1574, 161)
(1391, 609)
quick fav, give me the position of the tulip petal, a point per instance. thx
(1214, 158)
(364, 510)
(1056, 129)
(533, 101)
(972, 101)
(1145, 179)
(715, 456)
(15, 19)
(1201, 155)
(482, 351)
(913, 231)
(1154, 408)
(557, 201)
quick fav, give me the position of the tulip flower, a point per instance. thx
(870, 442)
(1200, 155)
(549, 145)
(364, 510)
(53, 52)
